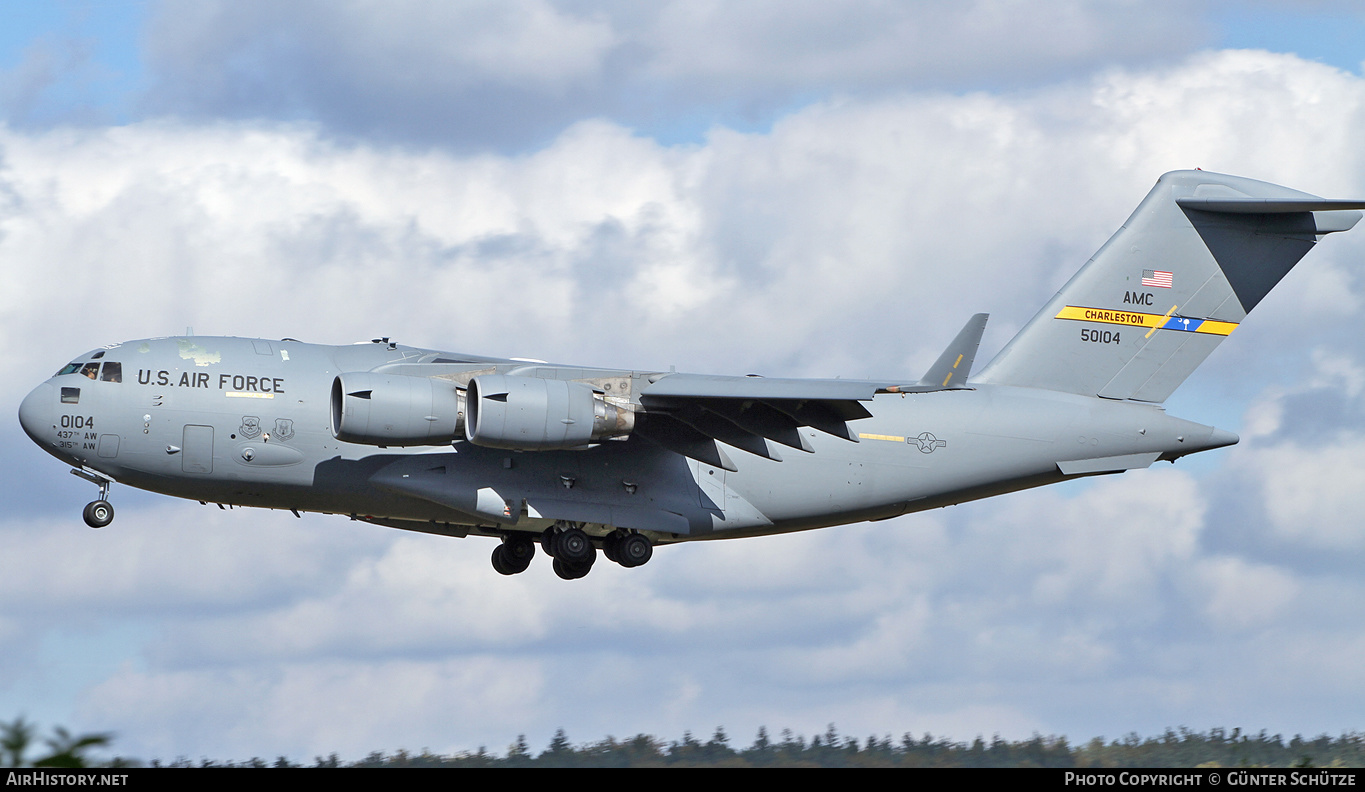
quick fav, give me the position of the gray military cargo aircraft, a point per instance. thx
(580, 459)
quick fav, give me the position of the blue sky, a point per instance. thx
(787, 174)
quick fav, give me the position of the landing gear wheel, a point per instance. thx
(611, 546)
(98, 514)
(569, 571)
(573, 546)
(518, 551)
(500, 562)
(514, 555)
(634, 550)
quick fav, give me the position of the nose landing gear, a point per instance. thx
(99, 513)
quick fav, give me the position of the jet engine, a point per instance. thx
(395, 410)
(533, 414)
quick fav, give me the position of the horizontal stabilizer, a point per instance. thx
(1267, 205)
(953, 366)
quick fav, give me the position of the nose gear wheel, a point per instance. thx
(98, 513)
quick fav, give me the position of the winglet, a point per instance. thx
(953, 366)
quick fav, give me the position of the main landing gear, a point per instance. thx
(99, 513)
(627, 549)
(573, 551)
(514, 555)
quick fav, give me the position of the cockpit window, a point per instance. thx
(71, 395)
(97, 355)
(113, 371)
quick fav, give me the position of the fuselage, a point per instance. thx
(248, 422)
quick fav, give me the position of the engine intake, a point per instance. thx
(533, 414)
(395, 410)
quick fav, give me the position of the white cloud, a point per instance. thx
(1244, 595)
(1312, 494)
(905, 213)
(1113, 544)
(499, 74)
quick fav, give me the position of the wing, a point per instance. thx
(689, 413)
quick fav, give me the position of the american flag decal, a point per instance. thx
(1157, 279)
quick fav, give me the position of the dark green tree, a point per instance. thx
(64, 748)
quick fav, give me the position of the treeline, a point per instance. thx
(1174, 748)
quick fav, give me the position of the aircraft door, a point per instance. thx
(196, 455)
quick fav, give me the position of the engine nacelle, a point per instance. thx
(395, 410)
(533, 414)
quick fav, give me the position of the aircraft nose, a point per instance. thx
(35, 413)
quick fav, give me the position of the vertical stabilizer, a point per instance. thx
(1200, 251)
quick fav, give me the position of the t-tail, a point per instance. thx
(1200, 251)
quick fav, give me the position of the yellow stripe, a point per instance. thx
(950, 373)
(1217, 328)
(1162, 322)
(892, 438)
(1107, 316)
(1081, 313)
(248, 395)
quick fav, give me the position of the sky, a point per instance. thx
(786, 188)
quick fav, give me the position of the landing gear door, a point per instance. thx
(197, 449)
(710, 485)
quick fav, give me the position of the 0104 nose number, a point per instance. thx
(68, 435)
